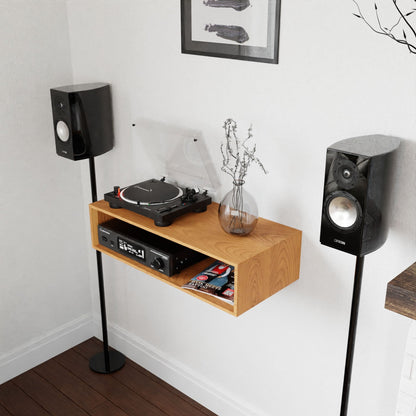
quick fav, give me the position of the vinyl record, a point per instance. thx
(151, 192)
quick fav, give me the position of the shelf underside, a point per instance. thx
(401, 293)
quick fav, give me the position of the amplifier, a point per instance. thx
(153, 251)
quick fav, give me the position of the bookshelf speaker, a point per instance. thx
(83, 120)
(355, 193)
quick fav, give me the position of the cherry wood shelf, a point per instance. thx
(265, 261)
(401, 293)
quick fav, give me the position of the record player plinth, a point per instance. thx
(156, 199)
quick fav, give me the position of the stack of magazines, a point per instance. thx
(217, 280)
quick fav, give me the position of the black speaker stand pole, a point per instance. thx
(351, 334)
(107, 361)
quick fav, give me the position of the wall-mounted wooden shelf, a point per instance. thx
(401, 293)
(265, 261)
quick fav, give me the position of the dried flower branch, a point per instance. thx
(398, 31)
(236, 153)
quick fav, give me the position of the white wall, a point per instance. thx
(406, 405)
(45, 303)
(336, 79)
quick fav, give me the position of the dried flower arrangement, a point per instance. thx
(236, 155)
(238, 210)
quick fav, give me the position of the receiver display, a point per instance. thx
(131, 249)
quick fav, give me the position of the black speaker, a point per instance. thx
(355, 193)
(83, 120)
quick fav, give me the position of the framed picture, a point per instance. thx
(236, 29)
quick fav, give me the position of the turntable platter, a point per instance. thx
(151, 192)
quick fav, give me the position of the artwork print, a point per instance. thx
(238, 29)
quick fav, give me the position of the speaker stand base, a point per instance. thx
(116, 362)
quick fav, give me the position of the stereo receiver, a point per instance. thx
(153, 251)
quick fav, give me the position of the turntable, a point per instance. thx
(173, 152)
(159, 200)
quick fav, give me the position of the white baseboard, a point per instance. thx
(176, 373)
(44, 347)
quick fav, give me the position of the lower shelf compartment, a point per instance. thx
(177, 280)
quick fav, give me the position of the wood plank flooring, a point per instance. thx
(65, 386)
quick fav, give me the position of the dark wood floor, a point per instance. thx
(65, 386)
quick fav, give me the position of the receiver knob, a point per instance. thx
(157, 263)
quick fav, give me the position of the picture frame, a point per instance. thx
(235, 29)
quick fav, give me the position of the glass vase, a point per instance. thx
(237, 211)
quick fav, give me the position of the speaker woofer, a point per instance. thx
(62, 131)
(343, 211)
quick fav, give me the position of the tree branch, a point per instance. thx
(389, 32)
(404, 17)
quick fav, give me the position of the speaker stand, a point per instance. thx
(359, 264)
(104, 362)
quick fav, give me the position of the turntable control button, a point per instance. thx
(157, 263)
(167, 209)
